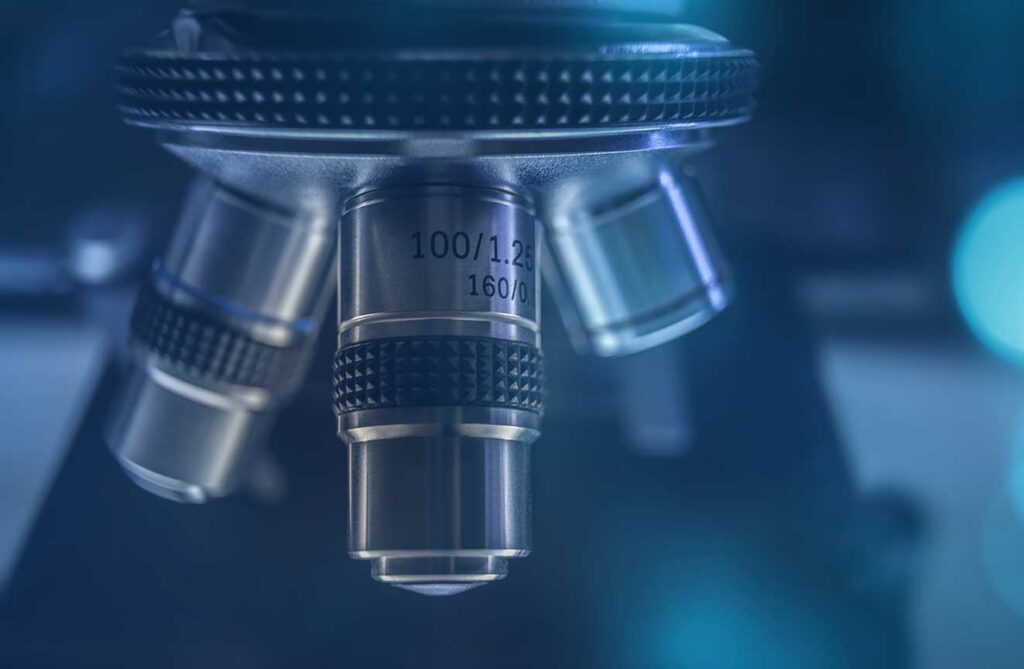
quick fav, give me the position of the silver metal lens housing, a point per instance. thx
(221, 337)
(635, 265)
(438, 381)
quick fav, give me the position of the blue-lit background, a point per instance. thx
(831, 474)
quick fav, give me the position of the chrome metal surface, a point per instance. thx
(447, 421)
(258, 261)
(243, 286)
(321, 173)
(639, 264)
(177, 446)
(443, 511)
(438, 260)
(438, 453)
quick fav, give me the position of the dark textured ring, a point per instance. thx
(332, 92)
(438, 371)
(201, 345)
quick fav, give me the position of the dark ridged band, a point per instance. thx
(339, 92)
(438, 371)
(201, 345)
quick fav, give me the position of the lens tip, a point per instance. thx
(439, 589)
(439, 576)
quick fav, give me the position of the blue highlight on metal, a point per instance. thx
(695, 240)
(302, 325)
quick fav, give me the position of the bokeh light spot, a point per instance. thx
(988, 271)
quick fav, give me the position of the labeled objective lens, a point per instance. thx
(438, 381)
(221, 337)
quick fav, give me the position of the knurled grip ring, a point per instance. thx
(438, 371)
(339, 92)
(199, 344)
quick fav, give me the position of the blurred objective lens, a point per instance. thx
(222, 334)
(639, 268)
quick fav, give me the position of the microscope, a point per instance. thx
(424, 171)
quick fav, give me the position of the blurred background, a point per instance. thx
(829, 474)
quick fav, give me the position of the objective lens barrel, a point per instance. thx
(438, 381)
(640, 269)
(222, 335)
